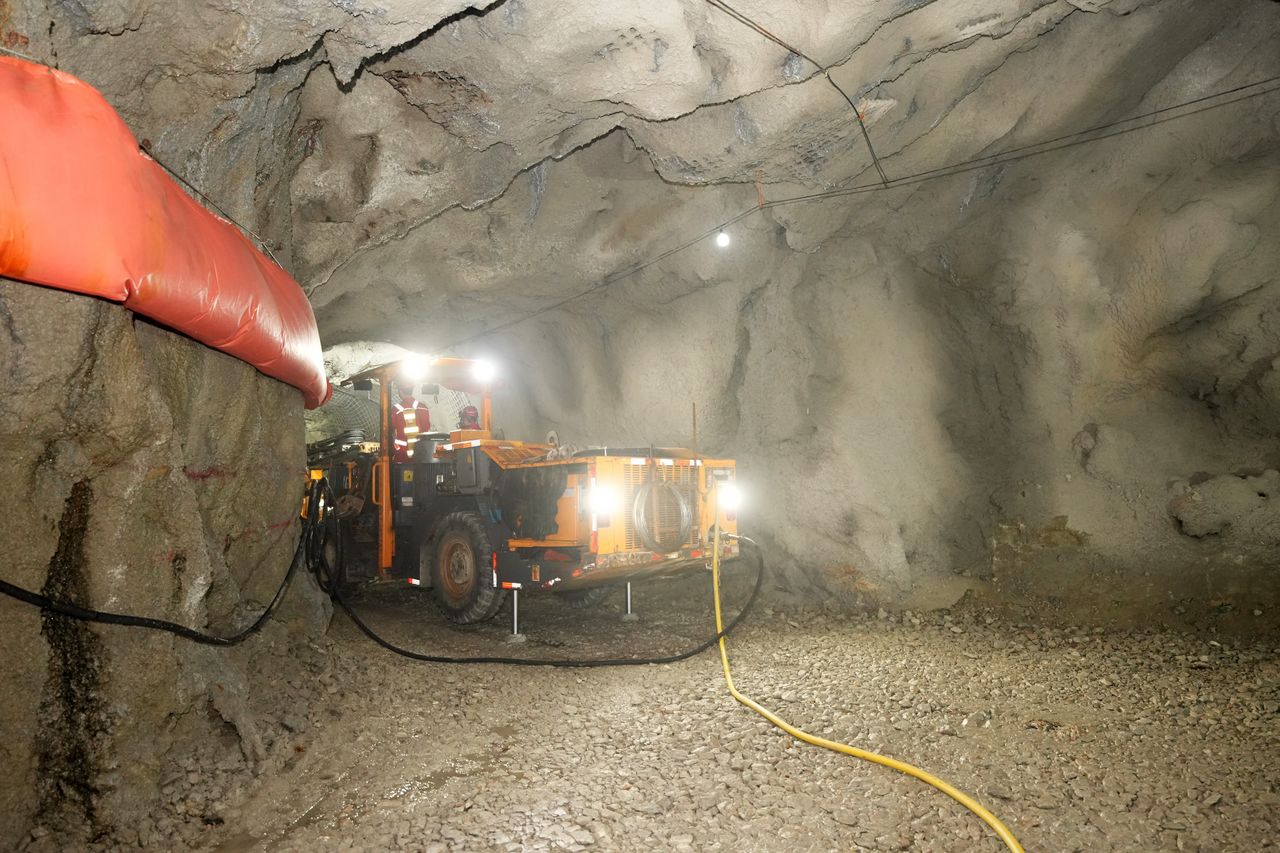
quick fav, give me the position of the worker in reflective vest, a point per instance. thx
(409, 420)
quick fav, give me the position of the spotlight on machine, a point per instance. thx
(604, 500)
(729, 496)
(484, 372)
(414, 369)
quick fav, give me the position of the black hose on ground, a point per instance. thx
(318, 528)
(332, 584)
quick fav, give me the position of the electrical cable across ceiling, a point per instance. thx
(824, 70)
(1096, 133)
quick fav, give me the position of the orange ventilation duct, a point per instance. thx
(83, 209)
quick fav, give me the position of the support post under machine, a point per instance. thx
(629, 616)
(516, 636)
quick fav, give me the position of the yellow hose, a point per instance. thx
(901, 766)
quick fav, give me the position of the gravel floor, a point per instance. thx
(1079, 739)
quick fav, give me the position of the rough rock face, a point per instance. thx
(144, 474)
(1057, 376)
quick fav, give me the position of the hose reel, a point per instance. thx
(666, 498)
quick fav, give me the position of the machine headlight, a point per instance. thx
(604, 500)
(728, 496)
(484, 372)
(414, 369)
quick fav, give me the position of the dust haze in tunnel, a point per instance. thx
(1055, 378)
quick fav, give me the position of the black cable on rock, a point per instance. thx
(331, 582)
(86, 614)
(320, 530)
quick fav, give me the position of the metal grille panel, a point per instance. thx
(684, 477)
(346, 410)
(349, 409)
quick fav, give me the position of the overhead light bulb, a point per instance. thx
(722, 239)
(484, 372)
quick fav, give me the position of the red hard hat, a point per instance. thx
(470, 412)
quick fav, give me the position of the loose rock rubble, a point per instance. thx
(1079, 738)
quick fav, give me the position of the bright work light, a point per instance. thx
(729, 497)
(604, 500)
(722, 239)
(414, 368)
(484, 372)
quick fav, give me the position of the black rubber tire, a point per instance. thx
(461, 578)
(581, 599)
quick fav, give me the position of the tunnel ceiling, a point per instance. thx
(432, 168)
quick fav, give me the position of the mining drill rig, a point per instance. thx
(473, 515)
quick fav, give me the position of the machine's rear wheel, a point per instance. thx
(460, 576)
(581, 599)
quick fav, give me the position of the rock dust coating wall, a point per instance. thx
(144, 474)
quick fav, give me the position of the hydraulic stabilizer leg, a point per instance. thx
(516, 636)
(629, 616)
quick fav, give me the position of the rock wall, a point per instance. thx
(1051, 393)
(1054, 381)
(144, 474)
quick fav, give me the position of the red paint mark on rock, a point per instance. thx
(219, 472)
(255, 532)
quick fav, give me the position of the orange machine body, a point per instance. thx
(613, 515)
